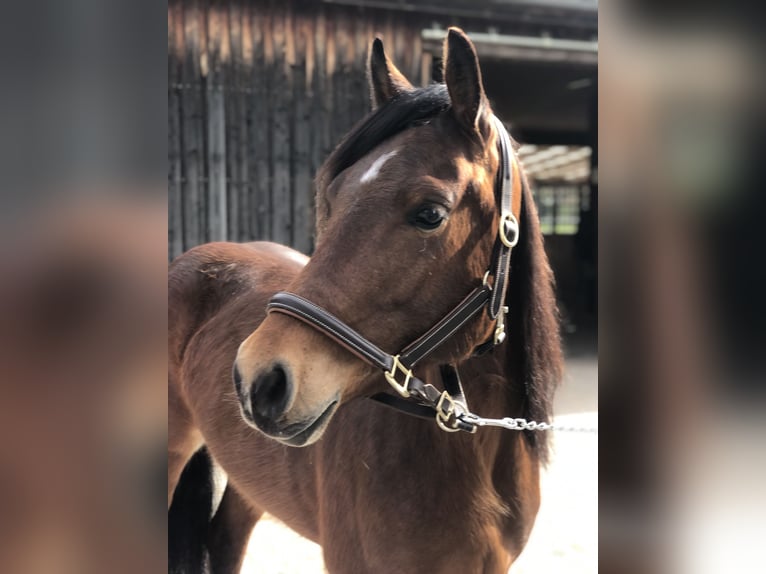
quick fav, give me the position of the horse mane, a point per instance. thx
(533, 325)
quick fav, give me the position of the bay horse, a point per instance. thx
(408, 220)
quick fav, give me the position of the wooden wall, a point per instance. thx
(258, 95)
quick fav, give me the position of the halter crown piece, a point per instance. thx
(416, 397)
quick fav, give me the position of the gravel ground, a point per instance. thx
(565, 537)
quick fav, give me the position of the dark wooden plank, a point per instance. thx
(301, 166)
(325, 61)
(203, 128)
(259, 144)
(340, 79)
(243, 192)
(175, 173)
(320, 92)
(388, 36)
(232, 56)
(350, 78)
(216, 124)
(359, 72)
(426, 64)
(416, 43)
(401, 54)
(246, 79)
(332, 87)
(333, 81)
(281, 112)
(192, 144)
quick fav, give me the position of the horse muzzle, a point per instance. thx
(267, 404)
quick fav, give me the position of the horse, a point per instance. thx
(408, 220)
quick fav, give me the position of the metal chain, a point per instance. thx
(521, 424)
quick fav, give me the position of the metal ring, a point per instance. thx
(443, 415)
(444, 427)
(510, 220)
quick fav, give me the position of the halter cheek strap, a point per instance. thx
(416, 397)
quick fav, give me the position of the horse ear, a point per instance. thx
(386, 82)
(463, 78)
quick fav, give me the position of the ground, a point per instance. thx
(565, 537)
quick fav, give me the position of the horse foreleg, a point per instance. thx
(230, 532)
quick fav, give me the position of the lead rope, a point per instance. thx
(519, 424)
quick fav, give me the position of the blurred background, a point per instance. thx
(683, 312)
(83, 289)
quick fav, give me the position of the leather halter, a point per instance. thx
(416, 397)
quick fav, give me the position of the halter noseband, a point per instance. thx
(419, 398)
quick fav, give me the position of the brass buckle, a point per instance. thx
(401, 388)
(443, 416)
(509, 220)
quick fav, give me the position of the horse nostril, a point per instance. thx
(270, 393)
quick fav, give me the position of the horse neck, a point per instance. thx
(479, 461)
(493, 385)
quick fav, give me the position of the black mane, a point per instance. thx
(388, 120)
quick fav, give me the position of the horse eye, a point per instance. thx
(428, 218)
